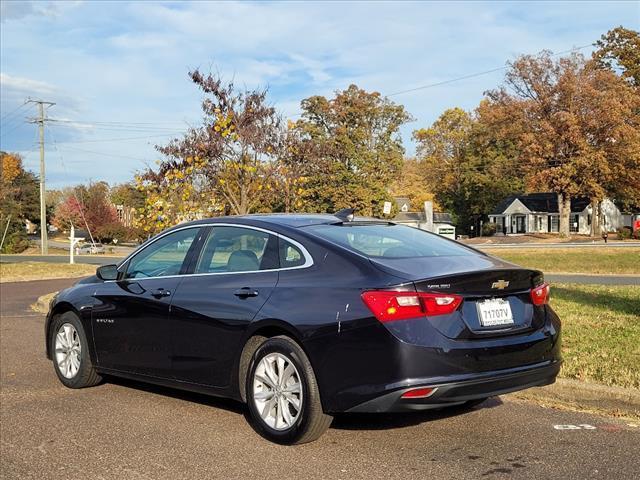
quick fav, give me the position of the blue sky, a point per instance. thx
(128, 62)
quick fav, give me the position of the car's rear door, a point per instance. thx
(231, 280)
(131, 316)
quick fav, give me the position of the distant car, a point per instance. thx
(90, 248)
(305, 316)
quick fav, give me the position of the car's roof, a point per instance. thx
(287, 219)
(291, 220)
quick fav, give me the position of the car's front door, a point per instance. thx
(233, 277)
(131, 316)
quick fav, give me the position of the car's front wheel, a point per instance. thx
(283, 395)
(70, 348)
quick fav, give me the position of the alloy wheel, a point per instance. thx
(277, 391)
(68, 350)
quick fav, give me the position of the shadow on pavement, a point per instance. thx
(342, 421)
(384, 421)
(200, 398)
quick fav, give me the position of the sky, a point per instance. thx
(117, 71)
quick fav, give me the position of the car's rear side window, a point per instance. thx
(236, 249)
(290, 255)
(388, 241)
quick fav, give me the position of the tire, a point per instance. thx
(305, 421)
(82, 372)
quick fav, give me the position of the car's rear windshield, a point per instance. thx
(388, 241)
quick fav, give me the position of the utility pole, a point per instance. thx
(44, 247)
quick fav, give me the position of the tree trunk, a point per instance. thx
(564, 209)
(595, 218)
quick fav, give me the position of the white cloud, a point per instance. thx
(128, 61)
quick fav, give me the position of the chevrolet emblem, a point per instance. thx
(500, 284)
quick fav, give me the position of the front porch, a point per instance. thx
(519, 223)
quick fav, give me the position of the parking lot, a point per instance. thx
(129, 430)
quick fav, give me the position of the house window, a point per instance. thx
(554, 223)
(574, 224)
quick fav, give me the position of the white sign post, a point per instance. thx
(72, 243)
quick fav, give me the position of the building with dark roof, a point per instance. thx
(539, 213)
(437, 222)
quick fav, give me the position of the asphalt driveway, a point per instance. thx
(128, 430)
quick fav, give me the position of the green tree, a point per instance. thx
(19, 201)
(348, 149)
(466, 167)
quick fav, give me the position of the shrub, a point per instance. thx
(488, 229)
(624, 233)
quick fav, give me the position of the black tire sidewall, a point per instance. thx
(291, 351)
(85, 361)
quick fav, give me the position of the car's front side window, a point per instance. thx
(236, 249)
(163, 257)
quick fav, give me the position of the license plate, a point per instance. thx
(494, 312)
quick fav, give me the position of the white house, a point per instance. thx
(538, 213)
(427, 219)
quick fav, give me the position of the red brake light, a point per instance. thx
(540, 294)
(418, 393)
(390, 306)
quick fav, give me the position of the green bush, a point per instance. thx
(488, 229)
(624, 233)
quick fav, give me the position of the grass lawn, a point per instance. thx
(600, 332)
(600, 260)
(25, 271)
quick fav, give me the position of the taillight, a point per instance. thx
(423, 392)
(540, 294)
(391, 306)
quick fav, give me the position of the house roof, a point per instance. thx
(541, 202)
(409, 217)
(439, 217)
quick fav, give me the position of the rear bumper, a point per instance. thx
(460, 389)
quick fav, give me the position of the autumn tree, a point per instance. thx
(619, 50)
(87, 207)
(232, 154)
(348, 149)
(464, 165)
(19, 201)
(413, 181)
(575, 127)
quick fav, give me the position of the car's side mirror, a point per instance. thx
(107, 272)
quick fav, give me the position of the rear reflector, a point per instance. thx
(418, 393)
(540, 294)
(390, 306)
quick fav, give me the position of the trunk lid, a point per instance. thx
(490, 287)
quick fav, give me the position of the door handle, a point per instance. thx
(246, 292)
(160, 292)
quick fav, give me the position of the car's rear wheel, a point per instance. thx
(71, 359)
(283, 395)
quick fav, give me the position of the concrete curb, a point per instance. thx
(42, 304)
(587, 395)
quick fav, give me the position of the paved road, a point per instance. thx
(597, 244)
(127, 430)
(90, 259)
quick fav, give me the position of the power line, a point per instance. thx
(4, 117)
(103, 153)
(121, 139)
(478, 74)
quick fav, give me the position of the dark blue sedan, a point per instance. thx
(304, 316)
